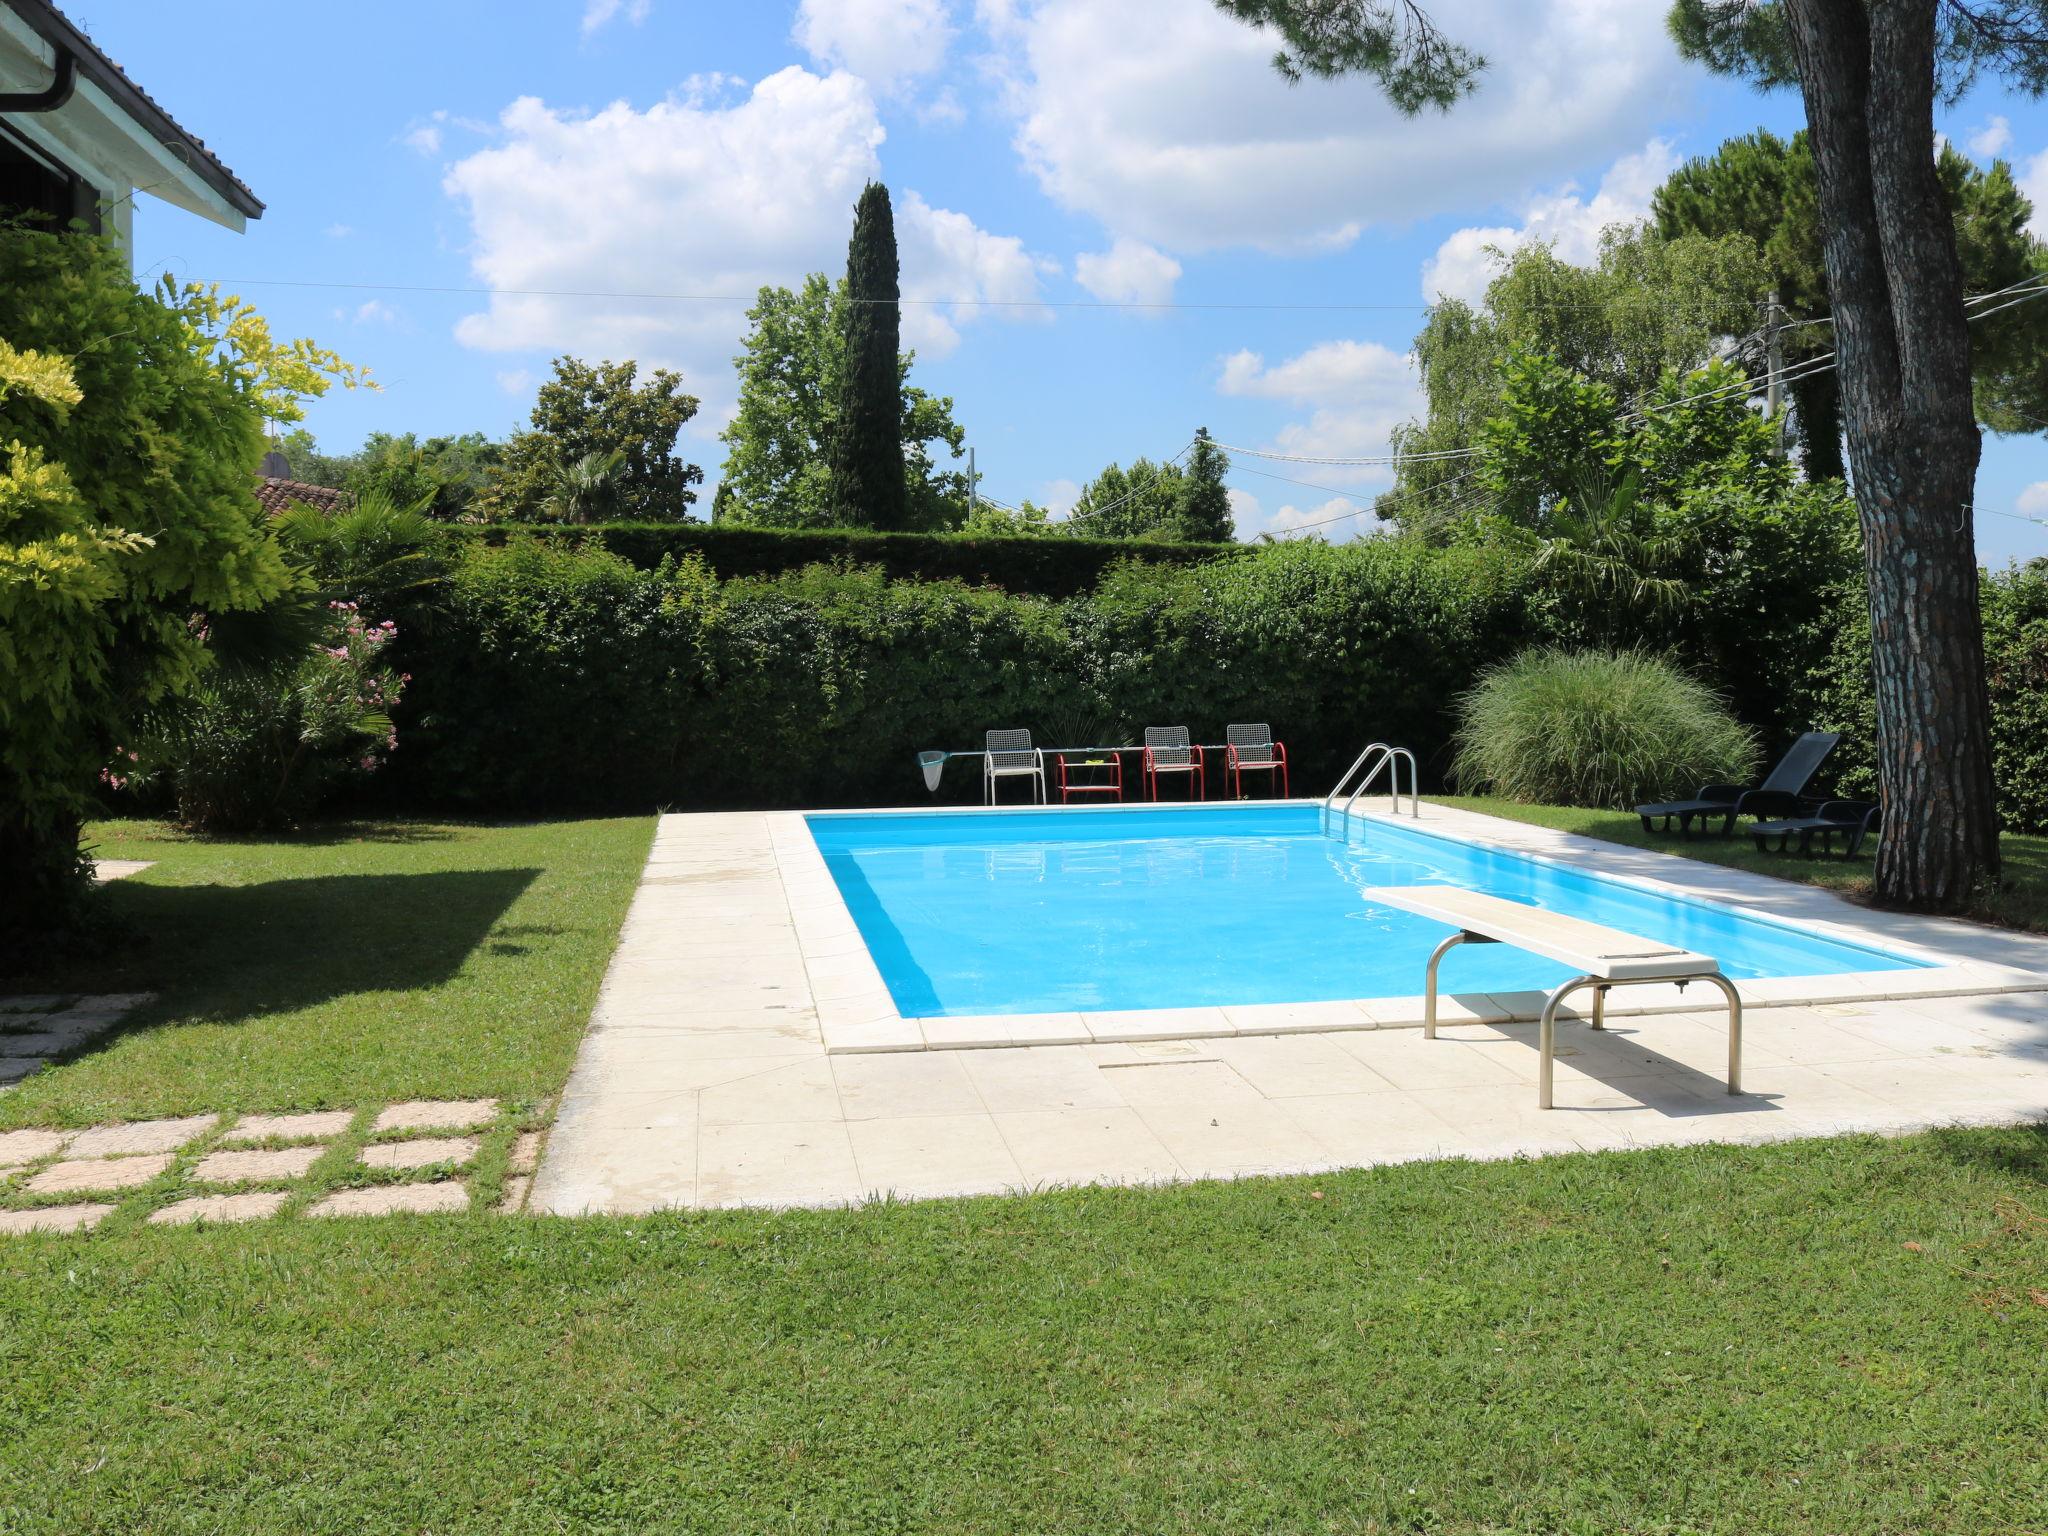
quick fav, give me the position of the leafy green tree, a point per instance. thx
(1762, 186)
(443, 476)
(1171, 502)
(1646, 306)
(778, 446)
(868, 481)
(601, 409)
(1868, 76)
(131, 426)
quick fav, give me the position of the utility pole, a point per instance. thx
(1774, 363)
(973, 487)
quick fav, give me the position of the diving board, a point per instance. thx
(1602, 957)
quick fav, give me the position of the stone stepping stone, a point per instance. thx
(79, 1175)
(56, 1218)
(437, 1115)
(394, 1200)
(257, 1167)
(515, 1195)
(14, 1068)
(525, 1152)
(253, 1206)
(423, 1153)
(141, 1136)
(19, 1148)
(318, 1125)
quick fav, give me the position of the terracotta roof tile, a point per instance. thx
(276, 494)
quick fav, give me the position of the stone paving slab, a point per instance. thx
(141, 1136)
(20, 1147)
(437, 1115)
(319, 1125)
(694, 1100)
(423, 1153)
(54, 1218)
(252, 1206)
(393, 1200)
(92, 1174)
(256, 1167)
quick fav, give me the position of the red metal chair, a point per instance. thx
(1253, 747)
(1168, 751)
(1112, 786)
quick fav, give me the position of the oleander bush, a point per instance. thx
(1596, 728)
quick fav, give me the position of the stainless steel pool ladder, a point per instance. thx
(1367, 767)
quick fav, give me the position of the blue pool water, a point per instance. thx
(1087, 910)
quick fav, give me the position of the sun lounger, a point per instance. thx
(1778, 796)
(1852, 819)
(1603, 958)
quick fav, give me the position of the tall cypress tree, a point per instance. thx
(867, 442)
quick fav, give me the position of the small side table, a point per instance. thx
(1099, 774)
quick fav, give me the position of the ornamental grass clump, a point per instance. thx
(1596, 728)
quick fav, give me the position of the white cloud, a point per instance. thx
(375, 312)
(1165, 120)
(945, 255)
(1129, 272)
(1465, 263)
(886, 42)
(2033, 180)
(2033, 501)
(1356, 393)
(943, 110)
(424, 138)
(1991, 138)
(600, 13)
(1058, 496)
(339, 231)
(515, 381)
(1339, 519)
(695, 197)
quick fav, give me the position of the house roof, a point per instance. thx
(276, 493)
(107, 84)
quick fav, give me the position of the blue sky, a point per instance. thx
(1047, 158)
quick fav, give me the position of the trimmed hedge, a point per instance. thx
(1049, 567)
(552, 675)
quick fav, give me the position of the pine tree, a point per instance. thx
(867, 444)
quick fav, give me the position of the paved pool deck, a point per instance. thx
(743, 1052)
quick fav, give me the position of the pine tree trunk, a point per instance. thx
(1902, 336)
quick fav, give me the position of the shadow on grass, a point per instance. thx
(240, 951)
(314, 835)
(2019, 1151)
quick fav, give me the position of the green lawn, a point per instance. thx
(1827, 1337)
(2021, 903)
(356, 963)
(1819, 1337)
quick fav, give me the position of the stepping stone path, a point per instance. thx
(34, 1030)
(187, 1169)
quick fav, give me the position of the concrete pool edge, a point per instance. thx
(856, 1014)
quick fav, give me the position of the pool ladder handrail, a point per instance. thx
(1377, 757)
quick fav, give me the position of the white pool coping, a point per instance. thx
(856, 1014)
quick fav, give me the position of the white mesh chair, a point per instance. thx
(1253, 746)
(1167, 752)
(1010, 755)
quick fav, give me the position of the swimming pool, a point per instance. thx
(1092, 910)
